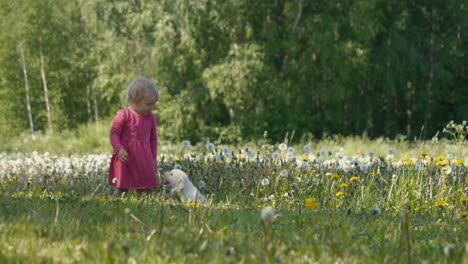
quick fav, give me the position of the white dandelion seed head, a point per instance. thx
(364, 167)
(265, 181)
(115, 180)
(276, 155)
(210, 147)
(177, 167)
(271, 197)
(201, 184)
(375, 211)
(289, 156)
(291, 150)
(186, 144)
(371, 154)
(283, 173)
(251, 153)
(391, 151)
(226, 150)
(283, 146)
(465, 162)
(306, 148)
(449, 249)
(323, 154)
(447, 169)
(311, 157)
(304, 166)
(267, 214)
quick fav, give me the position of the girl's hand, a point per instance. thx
(122, 155)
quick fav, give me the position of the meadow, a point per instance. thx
(335, 200)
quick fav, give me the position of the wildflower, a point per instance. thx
(291, 150)
(102, 200)
(416, 209)
(251, 153)
(114, 181)
(283, 146)
(201, 184)
(375, 211)
(440, 203)
(265, 181)
(176, 159)
(338, 194)
(371, 154)
(334, 176)
(284, 173)
(424, 154)
(447, 169)
(463, 200)
(441, 158)
(11, 180)
(310, 203)
(409, 163)
(268, 214)
(186, 144)
(463, 214)
(410, 185)
(354, 178)
(391, 151)
(306, 148)
(449, 249)
(304, 159)
(343, 185)
(275, 155)
(323, 154)
(210, 147)
(458, 162)
(426, 202)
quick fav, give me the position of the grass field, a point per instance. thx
(339, 200)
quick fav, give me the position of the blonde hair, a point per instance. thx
(141, 87)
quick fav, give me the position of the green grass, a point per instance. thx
(57, 207)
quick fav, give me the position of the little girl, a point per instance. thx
(134, 139)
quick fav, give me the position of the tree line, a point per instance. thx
(230, 69)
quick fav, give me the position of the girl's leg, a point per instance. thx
(120, 192)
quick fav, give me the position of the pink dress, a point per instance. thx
(137, 135)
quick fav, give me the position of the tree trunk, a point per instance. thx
(46, 90)
(26, 86)
(429, 90)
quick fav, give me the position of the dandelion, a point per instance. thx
(391, 151)
(409, 163)
(267, 214)
(284, 173)
(176, 159)
(424, 154)
(177, 167)
(283, 146)
(186, 144)
(226, 150)
(364, 167)
(463, 214)
(265, 181)
(354, 178)
(291, 150)
(275, 155)
(343, 185)
(323, 154)
(289, 156)
(458, 162)
(410, 185)
(449, 249)
(201, 184)
(251, 153)
(334, 176)
(338, 194)
(306, 148)
(447, 169)
(210, 147)
(440, 203)
(371, 154)
(463, 200)
(310, 203)
(304, 159)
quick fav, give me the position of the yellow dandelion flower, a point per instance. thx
(441, 158)
(304, 159)
(273, 173)
(409, 163)
(370, 173)
(424, 154)
(334, 176)
(218, 162)
(313, 171)
(410, 185)
(441, 163)
(463, 214)
(463, 200)
(458, 162)
(102, 200)
(176, 159)
(440, 203)
(354, 178)
(338, 194)
(444, 190)
(310, 203)
(426, 202)
(343, 185)
(416, 209)
(11, 180)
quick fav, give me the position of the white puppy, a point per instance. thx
(177, 181)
